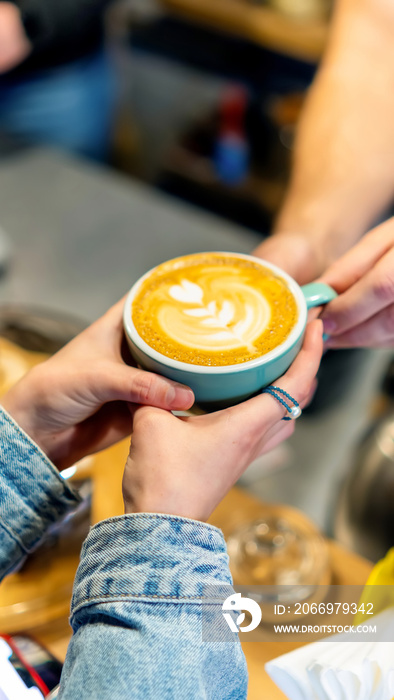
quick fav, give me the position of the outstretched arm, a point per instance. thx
(142, 580)
(138, 605)
(343, 172)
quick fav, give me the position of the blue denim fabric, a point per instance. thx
(136, 613)
(32, 495)
(138, 595)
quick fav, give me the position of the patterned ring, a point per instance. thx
(294, 410)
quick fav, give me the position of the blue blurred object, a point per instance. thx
(231, 158)
(231, 152)
(69, 106)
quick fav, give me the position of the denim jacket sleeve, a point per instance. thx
(33, 495)
(138, 595)
(137, 613)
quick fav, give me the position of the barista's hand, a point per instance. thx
(363, 313)
(14, 44)
(297, 254)
(76, 402)
(184, 466)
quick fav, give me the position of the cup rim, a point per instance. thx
(267, 358)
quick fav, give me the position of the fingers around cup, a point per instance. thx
(298, 381)
(376, 332)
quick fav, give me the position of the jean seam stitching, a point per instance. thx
(193, 600)
(14, 537)
(159, 516)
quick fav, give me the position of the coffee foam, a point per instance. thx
(214, 309)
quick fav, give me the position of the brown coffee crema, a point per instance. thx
(214, 309)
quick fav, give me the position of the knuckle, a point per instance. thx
(146, 419)
(344, 315)
(143, 387)
(383, 288)
(303, 393)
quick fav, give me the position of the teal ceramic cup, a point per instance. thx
(217, 387)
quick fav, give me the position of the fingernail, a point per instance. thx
(180, 396)
(329, 325)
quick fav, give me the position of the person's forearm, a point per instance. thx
(147, 616)
(343, 174)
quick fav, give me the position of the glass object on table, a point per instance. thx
(280, 556)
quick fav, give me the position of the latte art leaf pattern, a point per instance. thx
(213, 315)
(234, 319)
(187, 291)
(213, 309)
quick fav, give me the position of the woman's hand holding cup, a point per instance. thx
(185, 466)
(76, 403)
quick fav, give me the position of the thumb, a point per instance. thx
(119, 382)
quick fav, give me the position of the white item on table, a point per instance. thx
(340, 669)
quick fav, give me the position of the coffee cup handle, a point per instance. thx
(318, 294)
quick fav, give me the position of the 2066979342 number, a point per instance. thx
(333, 608)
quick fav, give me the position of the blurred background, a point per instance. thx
(153, 87)
(135, 131)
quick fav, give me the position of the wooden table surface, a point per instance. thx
(304, 39)
(347, 568)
